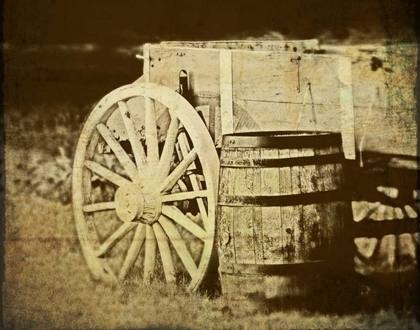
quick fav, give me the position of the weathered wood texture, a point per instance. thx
(283, 205)
(282, 213)
(274, 90)
(309, 45)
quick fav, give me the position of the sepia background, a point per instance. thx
(60, 58)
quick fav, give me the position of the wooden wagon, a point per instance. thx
(146, 167)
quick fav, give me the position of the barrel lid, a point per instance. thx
(282, 139)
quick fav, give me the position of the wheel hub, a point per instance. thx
(137, 203)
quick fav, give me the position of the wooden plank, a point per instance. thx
(258, 235)
(338, 178)
(300, 232)
(336, 170)
(272, 241)
(310, 218)
(287, 232)
(288, 235)
(347, 111)
(285, 175)
(226, 92)
(307, 171)
(295, 173)
(227, 174)
(271, 219)
(321, 71)
(276, 106)
(218, 128)
(256, 172)
(296, 211)
(279, 76)
(242, 216)
(333, 225)
(274, 71)
(226, 234)
(243, 121)
(313, 249)
(272, 116)
(333, 212)
(327, 171)
(257, 213)
(146, 62)
(244, 177)
(244, 235)
(380, 137)
(168, 62)
(150, 114)
(324, 183)
(204, 111)
(253, 45)
(269, 176)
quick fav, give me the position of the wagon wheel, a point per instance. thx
(157, 217)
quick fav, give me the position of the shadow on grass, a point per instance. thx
(327, 291)
(342, 294)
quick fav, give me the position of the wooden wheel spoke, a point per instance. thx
(179, 245)
(178, 162)
(106, 173)
(168, 149)
(151, 132)
(99, 207)
(115, 238)
(200, 201)
(176, 174)
(175, 214)
(119, 152)
(185, 147)
(165, 253)
(149, 254)
(133, 251)
(183, 143)
(184, 196)
(136, 146)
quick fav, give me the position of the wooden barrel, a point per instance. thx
(282, 210)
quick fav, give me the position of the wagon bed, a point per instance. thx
(147, 153)
(367, 92)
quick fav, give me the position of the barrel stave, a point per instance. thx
(285, 208)
(243, 235)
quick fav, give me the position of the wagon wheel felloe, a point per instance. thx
(159, 219)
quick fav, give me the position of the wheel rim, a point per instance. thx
(158, 218)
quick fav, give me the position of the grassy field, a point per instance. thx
(48, 285)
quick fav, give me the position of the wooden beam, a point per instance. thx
(226, 92)
(347, 111)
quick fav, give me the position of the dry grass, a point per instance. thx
(48, 285)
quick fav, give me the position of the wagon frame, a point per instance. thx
(164, 190)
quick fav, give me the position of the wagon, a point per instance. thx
(146, 167)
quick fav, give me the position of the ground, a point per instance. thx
(48, 285)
